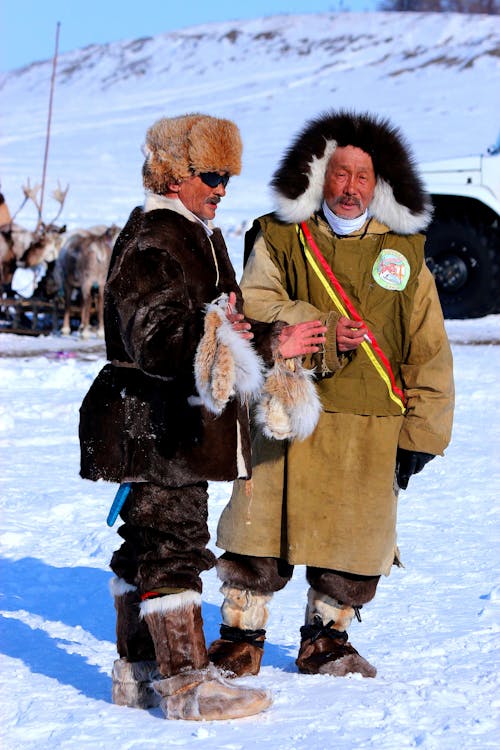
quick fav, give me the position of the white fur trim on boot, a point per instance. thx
(225, 363)
(170, 602)
(289, 407)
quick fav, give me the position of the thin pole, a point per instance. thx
(47, 139)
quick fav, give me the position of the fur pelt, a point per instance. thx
(400, 200)
(289, 406)
(225, 363)
(177, 147)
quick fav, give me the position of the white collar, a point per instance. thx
(343, 226)
(153, 201)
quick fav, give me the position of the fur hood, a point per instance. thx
(400, 201)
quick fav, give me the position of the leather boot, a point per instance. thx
(191, 688)
(239, 650)
(324, 647)
(133, 673)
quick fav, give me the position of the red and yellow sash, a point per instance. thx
(346, 308)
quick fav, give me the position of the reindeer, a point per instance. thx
(23, 248)
(83, 264)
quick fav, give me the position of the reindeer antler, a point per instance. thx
(29, 193)
(60, 196)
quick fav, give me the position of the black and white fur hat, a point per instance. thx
(399, 200)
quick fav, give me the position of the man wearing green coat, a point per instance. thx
(344, 245)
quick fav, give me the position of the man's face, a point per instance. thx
(349, 182)
(199, 198)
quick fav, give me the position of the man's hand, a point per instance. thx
(237, 320)
(350, 334)
(409, 463)
(302, 338)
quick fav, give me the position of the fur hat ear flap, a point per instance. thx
(289, 407)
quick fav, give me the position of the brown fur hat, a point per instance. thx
(177, 147)
(399, 201)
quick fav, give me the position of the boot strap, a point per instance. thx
(237, 635)
(316, 629)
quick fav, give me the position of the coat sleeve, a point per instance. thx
(266, 299)
(427, 374)
(160, 324)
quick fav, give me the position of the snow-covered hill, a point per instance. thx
(435, 75)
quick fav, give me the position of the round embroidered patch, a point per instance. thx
(391, 270)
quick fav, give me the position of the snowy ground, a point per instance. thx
(432, 631)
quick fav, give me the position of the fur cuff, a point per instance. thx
(170, 602)
(225, 363)
(289, 407)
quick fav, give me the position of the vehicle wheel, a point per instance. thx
(462, 259)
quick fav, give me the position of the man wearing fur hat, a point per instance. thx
(168, 413)
(344, 245)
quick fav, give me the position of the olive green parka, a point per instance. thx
(329, 501)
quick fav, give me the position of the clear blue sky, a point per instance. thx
(28, 27)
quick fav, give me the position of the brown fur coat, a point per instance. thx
(142, 419)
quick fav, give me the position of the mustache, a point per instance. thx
(342, 198)
(214, 199)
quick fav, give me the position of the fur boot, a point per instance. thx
(133, 673)
(132, 683)
(204, 695)
(324, 647)
(239, 649)
(133, 640)
(191, 688)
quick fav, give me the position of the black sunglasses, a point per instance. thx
(212, 179)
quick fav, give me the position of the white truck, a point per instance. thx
(463, 241)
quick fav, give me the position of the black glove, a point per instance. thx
(409, 463)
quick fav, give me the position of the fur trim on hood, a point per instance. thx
(399, 201)
(177, 147)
